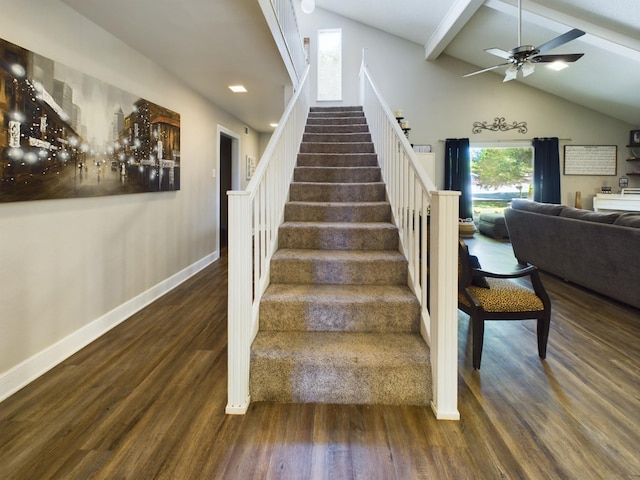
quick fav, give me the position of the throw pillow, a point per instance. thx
(536, 207)
(629, 219)
(477, 281)
(589, 216)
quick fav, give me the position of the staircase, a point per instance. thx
(338, 323)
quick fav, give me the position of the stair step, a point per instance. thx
(337, 174)
(337, 114)
(337, 192)
(349, 308)
(333, 367)
(358, 128)
(337, 212)
(324, 120)
(337, 160)
(339, 267)
(348, 108)
(338, 236)
(336, 147)
(351, 137)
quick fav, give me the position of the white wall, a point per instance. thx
(441, 104)
(70, 269)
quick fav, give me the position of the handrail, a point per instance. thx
(427, 220)
(254, 217)
(283, 23)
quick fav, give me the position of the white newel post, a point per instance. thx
(239, 301)
(444, 303)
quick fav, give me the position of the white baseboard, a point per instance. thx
(28, 370)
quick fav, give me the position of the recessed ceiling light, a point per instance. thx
(237, 88)
(274, 125)
(557, 66)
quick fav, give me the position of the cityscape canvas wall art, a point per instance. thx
(65, 134)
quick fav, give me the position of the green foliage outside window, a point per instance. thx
(493, 168)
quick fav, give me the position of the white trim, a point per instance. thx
(236, 165)
(445, 415)
(240, 409)
(30, 369)
(452, 23)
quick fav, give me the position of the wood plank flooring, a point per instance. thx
(147, 400)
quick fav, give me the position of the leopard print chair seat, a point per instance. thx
(492, 296)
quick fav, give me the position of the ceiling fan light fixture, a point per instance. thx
(308, 6)
(527, 68)
(510, 73)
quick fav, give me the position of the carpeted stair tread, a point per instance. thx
(337, 160)
(336, 147)
(333, 367)
(337, 211)
(364, 308)
(337, 192)
(352, 137)
(337, 174)
(337, 108)
(365, 267)
(346, 120)
(338, 236)
(331, 116)
(330, 128)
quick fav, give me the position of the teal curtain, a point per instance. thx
(546, 170)
(457, 172)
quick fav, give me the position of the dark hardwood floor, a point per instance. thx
(147, 400)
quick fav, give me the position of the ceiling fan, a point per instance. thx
(523, 58)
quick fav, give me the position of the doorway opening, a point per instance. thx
(498, 175)
(228, 178)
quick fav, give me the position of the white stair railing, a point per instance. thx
(427, 220)
(254, 217)
(281, 18)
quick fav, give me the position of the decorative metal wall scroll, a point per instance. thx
(499, 124)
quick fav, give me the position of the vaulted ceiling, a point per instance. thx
(211, 44)
(606, 79)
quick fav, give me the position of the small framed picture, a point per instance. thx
(251, 166)
(634, 139)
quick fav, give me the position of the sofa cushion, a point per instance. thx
(588, 215)
(629, 219)
(493, 225)
(536, 207)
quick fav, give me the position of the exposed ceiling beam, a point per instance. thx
(455, 19)
(557, 21)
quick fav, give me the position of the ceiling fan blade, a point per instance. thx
(486, 69)
(560, 40)
(567, 57)
(498, 52)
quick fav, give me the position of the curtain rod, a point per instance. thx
(512, 140)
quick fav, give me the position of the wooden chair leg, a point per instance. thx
(544, 324)
(478, 338)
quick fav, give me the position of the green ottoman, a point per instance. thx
(492, 225)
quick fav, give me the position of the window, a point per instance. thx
(499, 174)
(330, 65)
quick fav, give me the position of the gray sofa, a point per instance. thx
(599, 251)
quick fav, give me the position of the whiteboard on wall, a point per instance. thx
(590, 159)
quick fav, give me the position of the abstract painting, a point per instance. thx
(65, 134)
